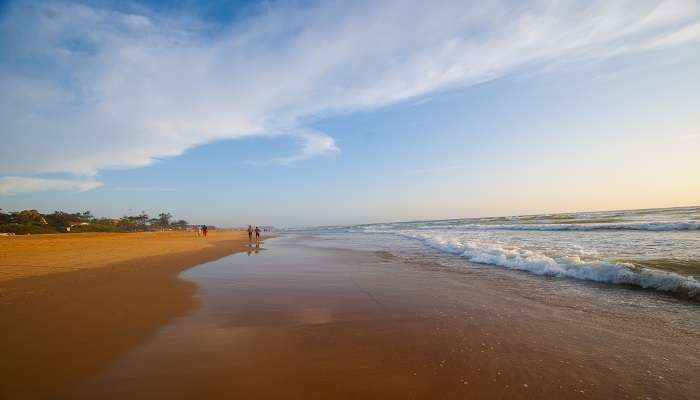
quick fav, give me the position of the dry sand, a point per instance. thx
(72, 303)
(35, 255)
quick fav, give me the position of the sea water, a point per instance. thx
(656, 249)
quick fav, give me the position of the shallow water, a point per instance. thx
(656, 249)
(307, 318)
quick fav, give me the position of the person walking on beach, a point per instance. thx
(204, 230)
(250, 233)
(257, 233)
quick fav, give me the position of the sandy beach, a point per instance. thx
(349, 200)
(297, 321)
(293, 320)
(38, 255)
(70, 304)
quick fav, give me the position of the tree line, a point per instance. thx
(32, 221)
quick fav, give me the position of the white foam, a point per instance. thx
(569, 267)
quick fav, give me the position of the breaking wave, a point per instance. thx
(568, 267)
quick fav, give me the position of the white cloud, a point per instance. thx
(88, 88)
(688, 34)
(10, 185)
(313, 144)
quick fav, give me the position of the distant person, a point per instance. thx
(204, 230)
(199, 231)
(250, 233)
(257, 233)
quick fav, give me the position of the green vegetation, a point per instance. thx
(33, 222)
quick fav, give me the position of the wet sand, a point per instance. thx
(59, 329)
(301, 322)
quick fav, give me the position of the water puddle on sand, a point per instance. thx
(290, 321)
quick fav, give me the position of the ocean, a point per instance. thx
(653, 249)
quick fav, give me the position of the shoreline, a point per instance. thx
(60, 328)
(301, 320)
(311, 322)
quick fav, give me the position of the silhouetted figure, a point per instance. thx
(257, 233)
(204, 230)
(250, 233)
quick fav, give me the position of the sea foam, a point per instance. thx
(567, 267)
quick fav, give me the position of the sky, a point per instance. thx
(300, 113)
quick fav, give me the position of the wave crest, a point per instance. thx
(566, 267)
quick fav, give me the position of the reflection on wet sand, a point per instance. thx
(297, 322)
(254, 249)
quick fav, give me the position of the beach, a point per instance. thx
(38, 255)
(350, 200)
(302, 317)
(73, 303)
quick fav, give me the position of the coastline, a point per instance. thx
(58, 328)
(303, 321)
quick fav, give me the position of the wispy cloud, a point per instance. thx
(10, 185)
(313, 144)
(89, 88)
(688, 34)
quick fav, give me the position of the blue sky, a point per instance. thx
(308, 113)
